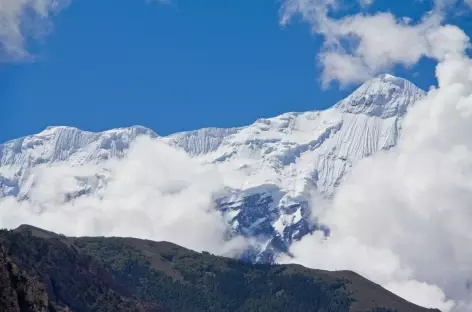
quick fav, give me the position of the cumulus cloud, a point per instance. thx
(359, 46)
(401, 218)
(156, 192)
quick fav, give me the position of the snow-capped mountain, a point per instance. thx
(57, 145)
(283, 160)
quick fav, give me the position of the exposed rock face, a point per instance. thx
(20, 292)
(43, 272)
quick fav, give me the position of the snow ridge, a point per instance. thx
(201, 141)
(283, 160)
(385, 96)
(57, 145)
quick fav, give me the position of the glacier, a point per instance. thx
(281, 162)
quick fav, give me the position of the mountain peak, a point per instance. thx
(384, 96)
(61, 143)
(387, 78)
(271, 168)
(134, 130)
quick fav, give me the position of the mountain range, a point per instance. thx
(283, 161)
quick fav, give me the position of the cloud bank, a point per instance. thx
(402, 218)
(156, 192)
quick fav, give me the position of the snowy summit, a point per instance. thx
(283, 159)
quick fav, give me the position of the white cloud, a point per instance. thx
(343, 67)
(371, 44)
(156, 192)
(379, 264)
(422, 293)
(402, 218)
(23, 19)
(377, 42)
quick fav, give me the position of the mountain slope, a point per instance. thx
(57, 145)
(126, 274)
(280, 162)
(19, 291)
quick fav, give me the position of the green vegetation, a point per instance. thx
(215, 284)
(58, 273)
(72, 279)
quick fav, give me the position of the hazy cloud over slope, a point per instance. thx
(156, 192)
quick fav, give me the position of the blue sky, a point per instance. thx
(116, 63)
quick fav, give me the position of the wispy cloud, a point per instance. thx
(21, 20)
(25, 20)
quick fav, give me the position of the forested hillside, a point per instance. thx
(43, 271)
